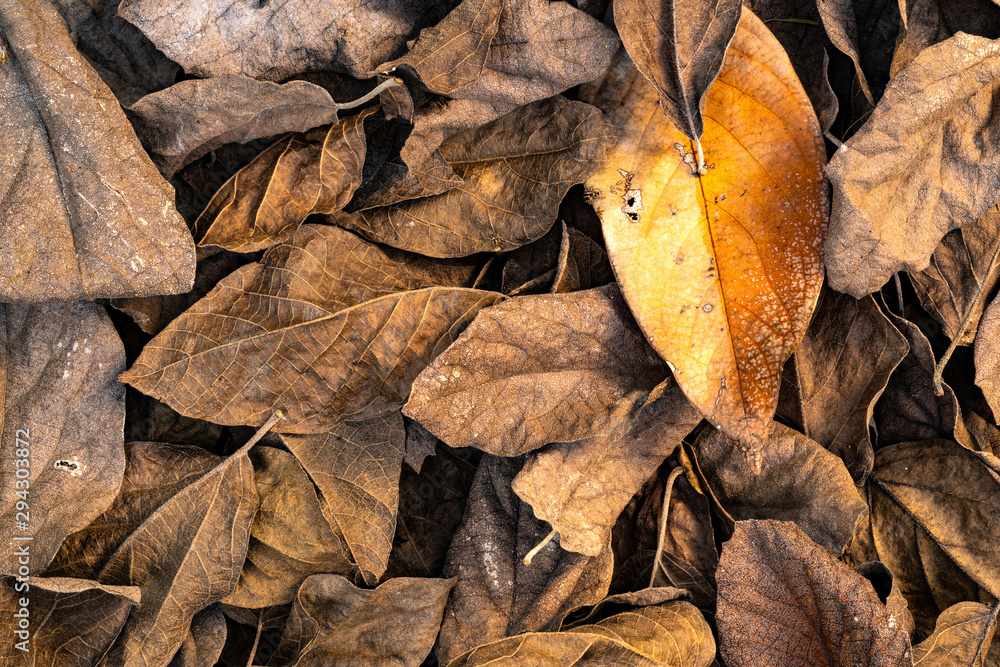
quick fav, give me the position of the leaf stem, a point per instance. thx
(388, 83)
(256, 639)
(701, 158)
(262, 431)
(538, 547)
(661, 538)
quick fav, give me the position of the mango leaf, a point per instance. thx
(739, 245)
(962, 636)
(515, 171)
(912, 173)
(555, 368)
(320, 329)
(93, 216)
(63, 414)
(774, 580)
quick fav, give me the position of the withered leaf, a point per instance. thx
(674, 634)
(841, 26)
(63, 414)
(738, 246)
(800, 481)
(128, 62)
(356, 467)
(962, 636)
(275, 41)
(187, 120)
(552, 368)
(420, 444)
(887, 589)
(515, 171)
(205, 640)
(86, 214)
(581, 487)
(582, 263)
(784, 600)
(320, 329)
(334, 623)
(840, 369)
(70, 622)
(927, 22)
(913, 172)
(962, 276)
(289, 537)
(680, 46)
(934, 520)
(266, 201)
(497, 595)
(987, 356)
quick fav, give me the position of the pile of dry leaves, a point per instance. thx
(507, 332)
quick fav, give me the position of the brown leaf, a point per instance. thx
(776, 584)
(323, 330)
(62, 419)
(984, 436)
(987, 356)
(582, 263)
(927, 22)
(334, 623)
(69, 622)
(962, 637)
(934, 519)
(420, 444)
(289, 537)
(266, 201)
(679, 46)
(205, 640)
(515, 171)
(841, 26)
(841, 367)
(356, 467)
(275, 41)
(888, 591)
(191, 118)
(962, 276)
(739, 245)
(581, 487)
(799, 481)
(552, 368)
(674, 634)
(127, 62)
(497, 595)
(150, 420)
(913, 172)
(94, 217)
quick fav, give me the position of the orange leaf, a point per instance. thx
(722, 270)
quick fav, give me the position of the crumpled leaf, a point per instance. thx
(63, 415)
(914, 171)
(515, 171)
(356, 467)
(581, 487)
(799, 482)
(962, 637)
(191, 118)
(334, 623)
(679, 46)
(71, 622)
(962, 275)
(324, 332)
(128, 62)
(205, 640)
(775, 584)
(275, 41)
(934, 520)
(497, 595)
(266, 201)
(289, 537)
(739, 245)
(927, 22)
(838, 372)
(87, 213)
(552, 368)
(674, 634)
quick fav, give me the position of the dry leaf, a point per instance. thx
(581, 487)
(887, 590)
(914, 171)
(800, 482)
(94, 217)
(334, 623)
(784, 600)
(552, 368)
(63, 414)
(739, 246)
(331, 333)
(205, 640)
(515, 171)
(987, 356)
(679, 46)
(927, 22)
(961, 638)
